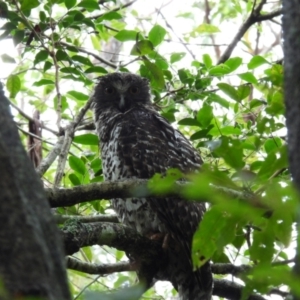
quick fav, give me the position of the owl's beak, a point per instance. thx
(122, 103)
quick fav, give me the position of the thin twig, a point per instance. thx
(69, 134)
(80, 49)
(35, 136)
(23, 114)
(179, 38)
(253, 18)
(114, 9)
(50, 158)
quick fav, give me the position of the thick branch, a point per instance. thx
(87, 219)
(150, 255)
(133, 188)
(98, 269)
(225, 269)
(123, 238)
(231, 290)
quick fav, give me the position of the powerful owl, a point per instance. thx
(137, 142)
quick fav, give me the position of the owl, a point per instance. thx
(136, 142)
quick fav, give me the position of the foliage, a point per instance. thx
(232, 110)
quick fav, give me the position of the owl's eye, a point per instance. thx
(134, 90)
(109, 90)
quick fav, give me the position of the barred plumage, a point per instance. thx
(137, 142)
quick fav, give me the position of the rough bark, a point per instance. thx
(31, 255)
(291, 34)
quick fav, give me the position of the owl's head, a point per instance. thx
(122, 91)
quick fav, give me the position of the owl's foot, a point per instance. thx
(160, 237)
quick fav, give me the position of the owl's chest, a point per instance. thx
(118, 164)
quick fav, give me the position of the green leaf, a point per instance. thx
(142, 48)
(41, 56)
(207, 60)
(7, 59)
(276, 160)
(70, 70)
(255, 103)
(272, 144)
(96, 69)
(82, 59)
(69, 3)
(29, 4)
(89, 5)
(216, 98)
(42, 16)
(219, 70)
(231, 151)
(243, 91)
(206, 237)
(201, 133)
(233, 63)
(257, 61)
(249, 77)
(189, 122)
(206, 28)
(48, 65)
(61, 55)
(88, 22)
(96, 164)
(205, 115)
(78, 96)
(74, 179)
(229, 91)
(87, 139)
(77, 164)
(156, 35)
(156, 75)
(18, 37)
(177, 57)
(126, 35)
(227, 130)
(13, 85)
(43, 82)
(112, 15)
(185, 76)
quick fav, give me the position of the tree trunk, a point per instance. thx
(31, 255)
(291, 35)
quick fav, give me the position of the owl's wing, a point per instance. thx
(148, 144)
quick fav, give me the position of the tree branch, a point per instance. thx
(23, 114)
(77, 235)
(148, 254)
(87, 219)
(97, 269)
(69, 133)
(80, 49)
(50, 158)
(134, 188)
(115, 9)
(254, 17)
(231, 290)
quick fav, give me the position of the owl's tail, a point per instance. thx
(198, 285)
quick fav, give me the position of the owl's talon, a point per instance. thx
(160, 237)
(165, 242)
